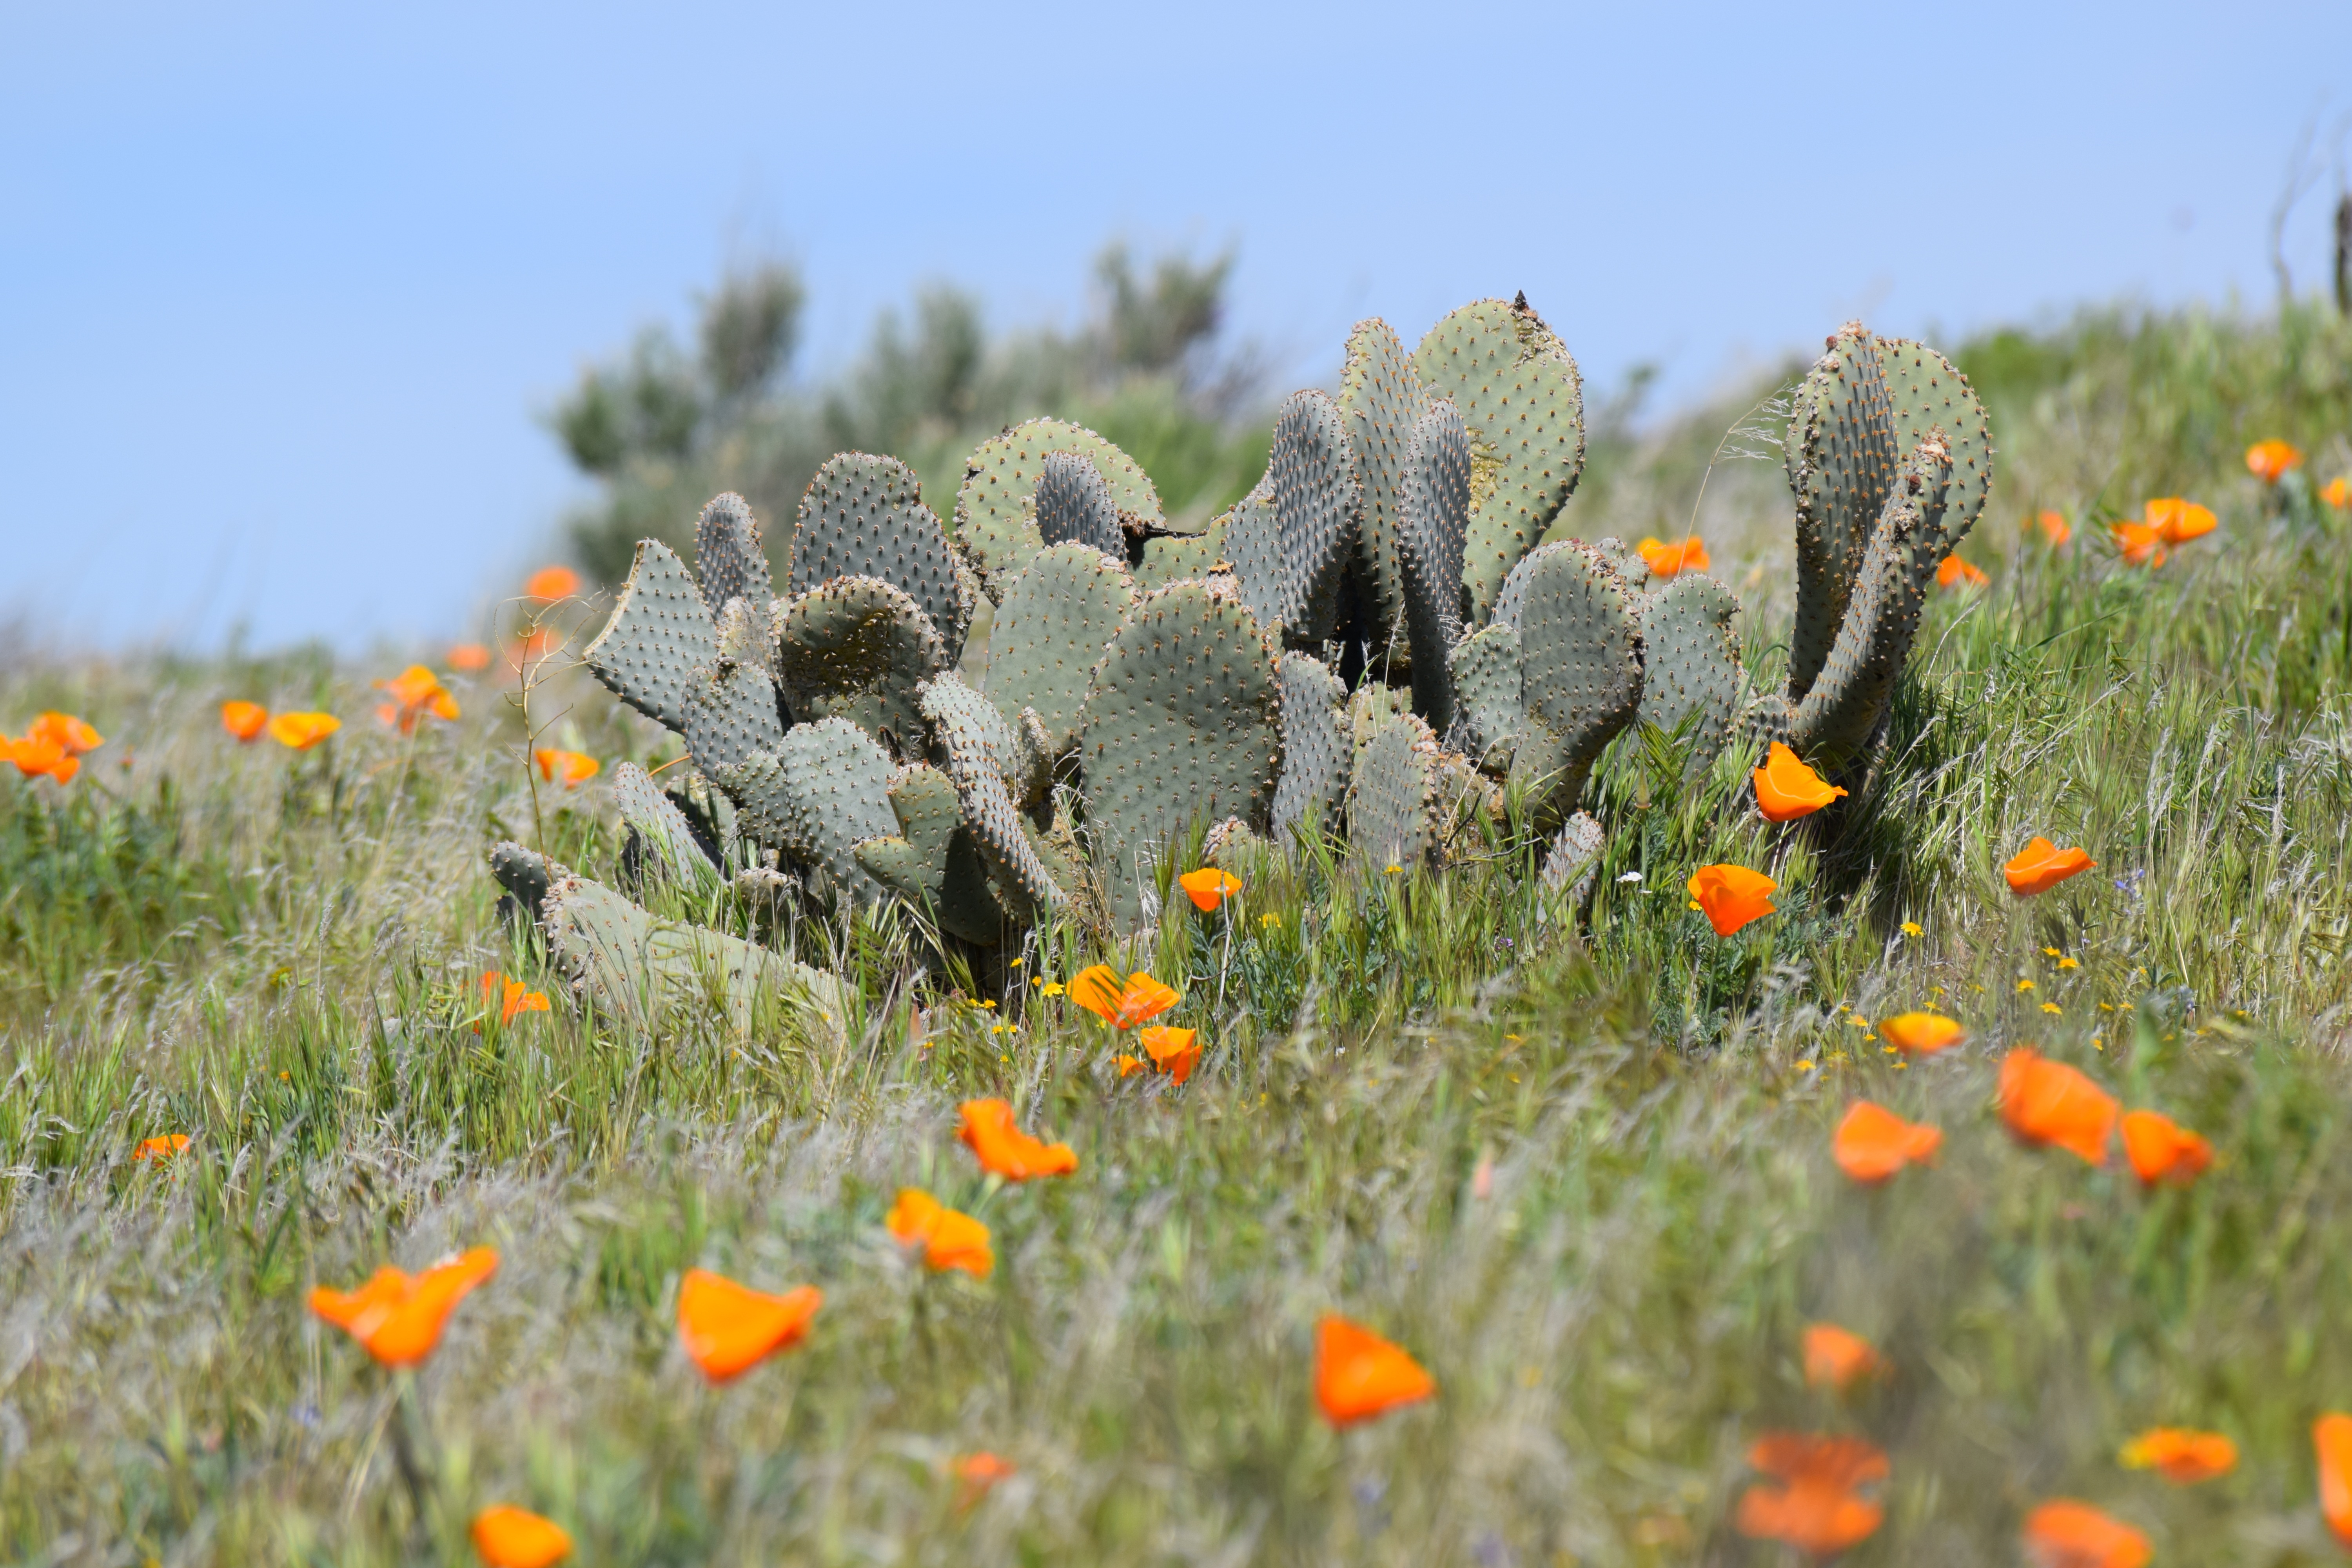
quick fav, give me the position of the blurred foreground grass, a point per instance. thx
(277, 955)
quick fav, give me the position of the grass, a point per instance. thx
(277, 955)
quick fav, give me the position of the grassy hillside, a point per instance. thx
(277, 955)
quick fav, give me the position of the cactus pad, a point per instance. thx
(1927, 395)
(1017, 749)
(1380, 396)
(1074, 506)
(1580, 666)
(1434, 517)
(1393, 798)
(934, 862)
(1058, 616)
(1316, 754)
(857, 649)
(995, 516)
(963, 721)
(728, 559)
(1690, 662)
(1171, 557)
(864, 516)
(1311, 478)
(660, 634)
(1487, 707)
(664, 838)
(1841, 455)
(525, 873)
(1574, 857)
(730, 713)
(824, 790)
(1524, 405)
(637, 967)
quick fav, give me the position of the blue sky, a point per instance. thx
(282, 287)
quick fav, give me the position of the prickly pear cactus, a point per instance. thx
(659, 636)
(1574, 856)
(663, 841)
(1488, 707)
(1074, 506)
(855, 648)
(1690, 662)
(1841, 455)
(729, 561)
(1317, 755)
(864, 516)
(1171, 558)
(637, 968)
(825, 790)
(1058, 616)
(1929, 397)
(1311, 479)
(970, 731)
(1392, 797)
(1254, 548)
(730, 713)
(1580, 664)
(933, 861)
(1380, 396)
(1435, 519)
(525, 873)
(996, 516)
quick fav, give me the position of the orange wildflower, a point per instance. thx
(2064, 1533)
(399, 1317)
(511, 995)
(2180, 1455)
(950, 1238)
(244, 720)
(976, 1475)
(415, 691)
(2176, 520)
(2161, 1149)
(517, 1538)
(2337, 492)
(2048, 1102)
(2054, 528)
(1955, 572)
(1923, 1033)
(1171, 1049)
(1665, 560)
(1873, 1144)
(37, 756)
(1208, 887)
(2042, 865)
(572, 769)
(2140, 543)
(1122, 1004)
(2331, 1441)
(301, 731)
(70, 734)
(1730, 896)
(1003, 1150)
(1129, 1066)
(1836, 1359)
(1816, 1508)
(1787, 789)
(163, 1148)
(1358, 1374)
(549, 584)
(469, 658)
(728, 1329)
(2270, 460)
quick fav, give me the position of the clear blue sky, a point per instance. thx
(282, 287)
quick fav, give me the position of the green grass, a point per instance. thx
(279, 955)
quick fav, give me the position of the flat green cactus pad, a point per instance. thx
(1690, 662)
(1316, 754)
(1172, 558)
(1434, 522)
(525, 873)
(747, 634)
(1254, 548)
(1928, 395)
(1393, 798)
(1182, 719)
(730, 714)
(1579, 667)
(1488, 707)
(1074, 506)
(1371, 707)
(969, 730)
(996, 517)
(1522, 402)
(855, 648)
(637, 968)
(1059, 615)
(659, 634)
(933, 861)
(1841, 454)
(1311, 477)
(664, 839)
(728, 560)
(825, 791)
(1574, 856)
(1380, 396)
(864, 516)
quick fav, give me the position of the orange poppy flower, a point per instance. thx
(1208, 887)
(950, 1238)
(2048, 1102)
(469, 658)
(2140, 543)
(38, 756)
(1836, 1359)
(244, 720)
(2331, 1441)
(1922, 1033)
(517, 1538)
(1873, 1144)
(1816, 1508)
(2181, 1455)
(1665, 560)
(976, 1475)
(163, 1148)
(301, 731)
(1955, 572)
(1129, 1066)
(549, 584)
(399, 1317)
(1787, 789)
(1730, 896)
(512, 997)
(1003, 1150)
(2337, 492)
(728, 1329)
(1358, 1374)
(2270, 460)
(2176, 520)
(2161, 1149)
(1171, 1049)
(2054, 528)
(2064, 1533)
(71, 735)
(1121, 1005)
(2042, 865)
(415, 691)
(572, 769)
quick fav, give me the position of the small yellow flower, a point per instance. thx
(2068, 964)
(1857, 1020)
(1901, 1067)
(1695, 903)
(2097, 1044)
(1912, 928)
(1394, 870)
(2025, 985)
(1270, 919)
(1053, 988)
(988, 1002)
(1517, 1039)
(1036, 979)
(2051, 1007)
(2107, 1006)
(1019, 962)
(2049, 952)
(1005, 1059)
(1804, 1066)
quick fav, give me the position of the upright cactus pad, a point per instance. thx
(1182, 719)
(1172, 557)
(996, 517)
(855, 648)
(825, 791)
(525, 873)
(730, 714)
(1580, 666)
(663, 838)
(747, 634)
(1435, 517)
(1316, 754)
(729, 561)
(933, 861)
(1311, 474)
(1487, 707)
(1074, 506)
(864, 517)
(1254, 548)
(1393, 798)
(1058, 616)
(1380, 396)
(636, 967)
(970, 731)
(1574, 856)
(1841, 455)
(1523, 403)
(1928, 396)
(660, 634)
(1690, 662)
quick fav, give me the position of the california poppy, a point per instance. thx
(949, 1238)
(1122, 1004)
(471, 657)
(2270, 460)
(572, 769)
(2331, 1440)
(2064, 1533)
(1171, 1049)
(2054, 528)
(71, 735)
(2048, 1102)
(1665, 560)
(549, 584)
(1873, 1144)
(2161, 1149)
(1003, 1150)
(415, 691)
(1731, 896)
(2337, 492)
(1817, 1507)
(976, 1475)
(2140, 543)
(517, 1538)
(1358, 1374)
(1923, 1033)
(1787, 789)
(2042, 865)
(301, 731)
(2178, 519)
(1208, 887)
(244, 720)
(511, 995)
(38, 756)
(1836, 1359)
(163, 1148)
(2181, 1455)
(399, 1317)
(728, 1329)
(1957, 573)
